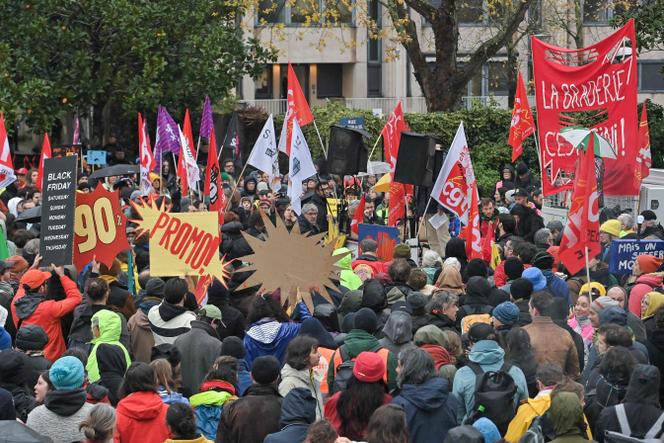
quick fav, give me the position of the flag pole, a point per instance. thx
(590, 295)
(320, 139)
(230, 200)
(375, 145)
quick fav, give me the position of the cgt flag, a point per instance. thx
(298, 108)
(300, 167)
(391, 133)
(582, 229)
(523, 125)
(147, 161)
(7, 176)
(45, 155)
(265, 156)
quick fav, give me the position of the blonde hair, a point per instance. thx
(163, 374)
(98, 426)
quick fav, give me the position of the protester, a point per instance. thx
(99, 425)
(182, 425)
(170, 318)
(298, 412)
(167, 387)
(298, 371)
(31, 341)
(646, 280)
(141, 337)
(566, 415)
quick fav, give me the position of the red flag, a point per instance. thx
(147, 160)
(582, 229)
(212, 186)
(358, 217)
(182, 165)
(45, 155)
(391, 133)
(200, 292)
(473, 235)
(396, 208)
(297, 107)
(523, 125)
(643, 157)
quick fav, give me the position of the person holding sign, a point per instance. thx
(31, 305)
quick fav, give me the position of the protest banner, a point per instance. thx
(575, 87)
(181, 243)
(58, 205)
(387, 238)
(624, 252)
(99, 227)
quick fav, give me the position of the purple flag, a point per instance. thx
(206, 119)
(167, 139)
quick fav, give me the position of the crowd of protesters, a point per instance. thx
(429, 346)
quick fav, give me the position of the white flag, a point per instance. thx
(193, 173)
(265, 156)
(300, 166)
(454, 185)
(7, 176)
(147, 161)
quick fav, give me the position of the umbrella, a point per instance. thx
(116, 170)
(15, 432)
(383, 185)
(375, 168)
(32, 215)
(579, 138)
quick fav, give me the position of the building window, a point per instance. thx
(305, 12)
(492, 79)
(264, 84)
(597, 11)
(374, 80)
(330, 80)
(650, 76)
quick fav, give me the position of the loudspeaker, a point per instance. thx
(347, 154)
(415, 162)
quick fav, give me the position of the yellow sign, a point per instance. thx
(333, 207)
(182, 243)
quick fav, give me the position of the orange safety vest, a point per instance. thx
(321, 368)
(384, 353)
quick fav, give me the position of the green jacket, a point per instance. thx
(110, 329)
(358, 341)
(347, 277)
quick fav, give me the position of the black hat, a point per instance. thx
(232, 346)
(520, 192)
(31, 338)
(513, 267)
(521, 289)
(543, 260)
(481, 331)
(265, 369)
(167, 351)
(649, 215)
(155, 287)
(417, 301)
(366, 320)
(521, 168)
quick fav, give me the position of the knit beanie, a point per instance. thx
(601, 303)
(648, 263)
(543, 260)
(536, 278)
(401, 250)
(31, 338)
(521, 289)
(613, 315)
(611, 227)
(232, 346)
(366, 320)
(478, 287)
(67, 373)
(507, 313)
(369, 367)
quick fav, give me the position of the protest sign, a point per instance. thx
(99, 228)
(352, 122)
(58, 205)
(181, 243)
(97, 158)
(624, 253)
(387, 238)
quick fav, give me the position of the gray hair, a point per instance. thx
(442, 300)
(99, 424)
(626, 220)
(416, 367)
(541, 236)
(309, 207)
(430, 257)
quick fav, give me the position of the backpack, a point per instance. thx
(344, 371)
(625, 434)
(539, 431)
(494, 395)
(477, 314)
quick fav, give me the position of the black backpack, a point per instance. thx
(345, 370)
(494, 395)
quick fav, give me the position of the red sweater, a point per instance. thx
(48, 314)
(141, 416)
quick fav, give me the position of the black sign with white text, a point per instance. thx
(56, 245)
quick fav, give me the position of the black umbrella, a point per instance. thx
(15, 432)
(115, 171)
(32, 215)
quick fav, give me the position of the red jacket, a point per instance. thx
(376, 266)
(356, 431)
(48, 314)
(141, 416)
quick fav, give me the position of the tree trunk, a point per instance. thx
(512, 73)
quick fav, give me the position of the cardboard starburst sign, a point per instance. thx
(297, 264)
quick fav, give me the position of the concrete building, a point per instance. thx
(341, 63)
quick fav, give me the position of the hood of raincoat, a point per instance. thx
(643, 386)
(399, 327)
(487, 352)
(429, 396)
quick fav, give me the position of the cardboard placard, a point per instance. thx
(100, 227)
(387, 238)
(97, 158)
(182, 243)
(58, 206)
(624, 253)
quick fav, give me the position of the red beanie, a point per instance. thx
(648, 263)
(369, 367)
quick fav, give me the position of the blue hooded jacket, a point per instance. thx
(430, 410)
(268, 337)
(557, 286)
(490, 356)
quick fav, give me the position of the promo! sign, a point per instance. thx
(58, 205)
(100, 227)
(589, 87)
(182, 243)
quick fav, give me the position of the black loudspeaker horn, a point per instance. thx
(347, 153)
(415, 162)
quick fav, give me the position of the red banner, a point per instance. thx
(601, 80)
